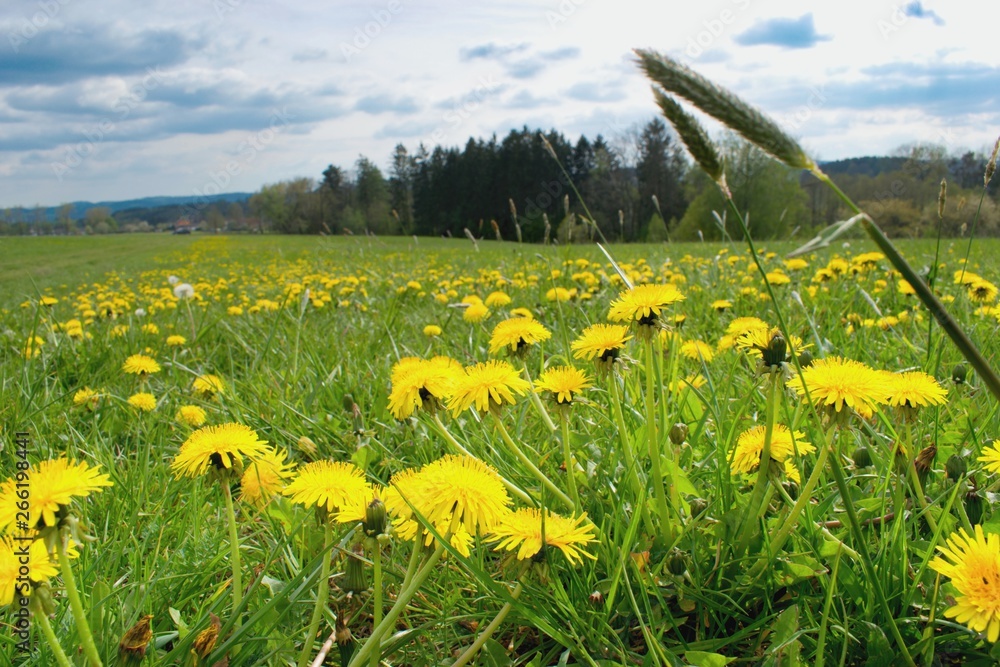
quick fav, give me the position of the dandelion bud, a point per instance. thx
(375, 518)
(348, 402)
(924, 461)
(205, 641)
(959, 373)
(805, 359)
(862, 457)
(774, 353)
(355, 578)
(132, 647)
(698, 505)
(975, 505)
(678, 433)
(677, 563)
(956, 466)
(307, 446)
(596, 598)
(345, 641)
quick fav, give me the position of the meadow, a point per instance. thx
(301, 450)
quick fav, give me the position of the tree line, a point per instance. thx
(540, 186)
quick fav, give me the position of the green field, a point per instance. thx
(683, 558)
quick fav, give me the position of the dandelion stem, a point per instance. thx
(411, 568)
(488, 631)
(537, 402)
(377, 601)
(321, 596)
(513, 488)
(403, 599)
(805, 493)
(50, 636)
(866, 561)
(631, 469)
(527, 463)
(659, 488)
(79, 614)
(570, 461)
(763, 477)
(234, 548)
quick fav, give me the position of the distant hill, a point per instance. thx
(870, 165)
(80, 207)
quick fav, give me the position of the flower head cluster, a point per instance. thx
(784, 445)
(836, 383)
(601, 342)
(563, 382)
(264, 477)
(530, 533)
(644, 304)
(517, 334)
(52, 486)
(973, 564)
(141, 365)
(486, 386)
(419, 383)
(329, 485)
(223, 447)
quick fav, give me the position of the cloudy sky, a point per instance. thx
(116, 99)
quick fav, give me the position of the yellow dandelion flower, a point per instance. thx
(234, 311)
(192, 415)
(517, 334)
(697, 350)
(176, 341)
(87, 397)
(142, 401)
(15, 555)
(459, 490)
(326, 484)
(264, 477)
(432, 330)
(150, 328)
(485, 386)
(982, 291)
(914, 389)
(419, 383)
(208, 385)
(562, 382)
(475, 313)
(497, 300)
(522, 312)
(644, 303)
(784, 444)
(221, 446)
(141, 365)
(355, 507)
(991, 457)
(835, 382)
(973, 565)
(525, 530)
(52, 485)
(33, 347)
(721, 305)
(604, 341)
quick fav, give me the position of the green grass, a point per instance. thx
(161, 544)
